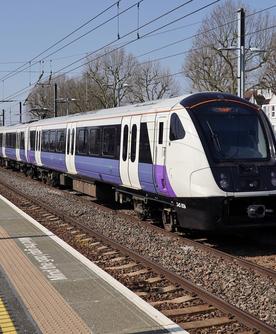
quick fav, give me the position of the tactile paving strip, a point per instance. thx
(6, 323)
(47, 307)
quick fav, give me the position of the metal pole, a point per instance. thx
(20, 112)
(241, 50)
(55, 100)
(3, 117)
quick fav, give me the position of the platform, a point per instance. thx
(48, 287)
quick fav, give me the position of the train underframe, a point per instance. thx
(204, 214)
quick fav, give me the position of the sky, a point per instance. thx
(30, 27)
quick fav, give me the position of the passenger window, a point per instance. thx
(82, 141)
(176, 128)
(45, 141)
(52, 141)
(37, 141)
(95, 141)
(9, 140)
(133, 143)
(144, 145)
(22, 140)
(61, 141)
(160, 137)
(68, 141)
(125, 141)
(109, 141)
(32, 140)
(13, 140)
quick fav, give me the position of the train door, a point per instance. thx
(38, 146)
(129, 155)
(125, 151)
(161, 133)
(17, 146)
(70, 148)
(4, 144)
(26, 133)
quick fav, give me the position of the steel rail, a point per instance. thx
(213, 251)
(242, 316)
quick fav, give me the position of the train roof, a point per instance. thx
(145, 107)
(141, 108)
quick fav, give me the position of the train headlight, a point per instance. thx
(273, 178)
(224, 181)
(223, 177)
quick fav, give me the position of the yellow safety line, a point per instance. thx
(6, 324)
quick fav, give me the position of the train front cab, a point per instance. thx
(240, 148)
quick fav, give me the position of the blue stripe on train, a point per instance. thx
(54, 161)
(22, 155)
(11, 153)
(145, 172)
(154, 179)
(31, 157)
(102, 169)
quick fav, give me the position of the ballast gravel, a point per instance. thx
(241, 287)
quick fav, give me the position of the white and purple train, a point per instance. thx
(204, 161)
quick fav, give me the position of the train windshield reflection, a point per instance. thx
(233, 132)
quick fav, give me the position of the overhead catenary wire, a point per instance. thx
(199, 34)
(151, 35)
(85, 34)
(133, 40)
(127, 34)
(27, 88)
(65, 37)
(146, 24)
(191, 13)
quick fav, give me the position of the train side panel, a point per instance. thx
(99, 158)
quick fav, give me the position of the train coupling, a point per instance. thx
(256, 211)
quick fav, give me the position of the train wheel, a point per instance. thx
(168, 221)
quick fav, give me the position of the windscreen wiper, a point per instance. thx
(214, 137)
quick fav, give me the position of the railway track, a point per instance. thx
(203, 243)
(193, 308)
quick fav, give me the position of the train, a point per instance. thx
(203, 161)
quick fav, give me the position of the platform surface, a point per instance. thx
(50, 288)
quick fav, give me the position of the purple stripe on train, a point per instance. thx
(162, 181)
(22, 155)
(11, 153)
(54, 161)
(154, 179)
(107, 170)
(145, 172)
(31, 157)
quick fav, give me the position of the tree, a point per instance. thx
(111, 78)
(269, 76)
(151, 82)
(209, 67)
(40, 101)
(109, 73)
(118, 78)
(72, 97)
